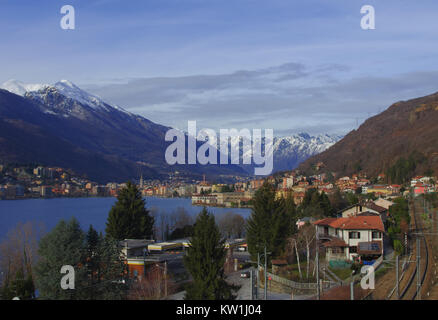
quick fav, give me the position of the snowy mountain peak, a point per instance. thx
(70, 90)
(20, 88)
(65, 88)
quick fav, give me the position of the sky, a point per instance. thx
(293, 66)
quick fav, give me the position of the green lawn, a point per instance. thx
(342, 273)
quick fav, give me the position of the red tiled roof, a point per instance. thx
(354, 223)
(375, 207)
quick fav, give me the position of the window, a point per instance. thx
(376, 235)
(354, 235)
(353, 249)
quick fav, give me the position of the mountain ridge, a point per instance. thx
(405, 129)
(86, 123)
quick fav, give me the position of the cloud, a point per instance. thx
(288, 98)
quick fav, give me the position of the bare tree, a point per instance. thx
(305, 237)
(152, 285)
(181, 218)
(18, 251)
(231, 225)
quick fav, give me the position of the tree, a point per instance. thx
(305, 238)
(95, 259)
(129, 218)
(205, 260)
(18, 255)
(64, 245)
(269, 223)
(316, 205)
(231, 225)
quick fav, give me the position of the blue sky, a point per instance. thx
(288, 65)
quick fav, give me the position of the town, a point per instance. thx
(20, 182)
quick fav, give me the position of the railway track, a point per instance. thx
(410, 290)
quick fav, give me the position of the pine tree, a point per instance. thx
(205, 260)
(129, 218)
(64, 245)
(96, 262)
(269, 223)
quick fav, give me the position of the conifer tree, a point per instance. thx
(269, 223)
(205, 260)
(64, 245)
(129, 218)
(98, 268)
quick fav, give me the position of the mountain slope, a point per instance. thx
(24, 139)
(65, 114)
(407, 128)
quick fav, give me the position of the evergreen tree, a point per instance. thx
(64, 245)
(205, 260)
(129, 218)
(316, 205)
(269, 223)
(95, 259)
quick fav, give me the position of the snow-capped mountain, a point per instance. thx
(21, 88)
(72, 128)
(290, 151)
(62, 98)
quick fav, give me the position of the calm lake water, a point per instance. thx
(49, 212)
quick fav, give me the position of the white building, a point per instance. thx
(349, 238)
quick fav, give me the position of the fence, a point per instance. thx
(299, 285)
(378, 262)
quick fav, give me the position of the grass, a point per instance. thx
(342, 273)
(381, 271)
(291, 272)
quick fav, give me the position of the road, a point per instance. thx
(244, 292)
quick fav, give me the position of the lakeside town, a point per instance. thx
(332, 225)
(21, 182)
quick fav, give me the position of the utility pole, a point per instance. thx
(397, 278)
(251, 278)
(165, 278)
(352, 290)
(418, 268)
(258, 274)
(266, 275)
(318, 293)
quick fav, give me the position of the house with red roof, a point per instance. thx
(351, 238)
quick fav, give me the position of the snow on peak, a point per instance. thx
(70, 90)
(20, 88)
(65, 87)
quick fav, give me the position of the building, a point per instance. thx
(301, 222)
(351, 238)
(134, 252)
(365, 208)
(200, 199)
(383, 203)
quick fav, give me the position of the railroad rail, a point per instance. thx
(419, 229)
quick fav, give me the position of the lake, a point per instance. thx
(86, 210)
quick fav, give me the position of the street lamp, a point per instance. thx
(259, 256)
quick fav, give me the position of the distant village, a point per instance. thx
(21, 182)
